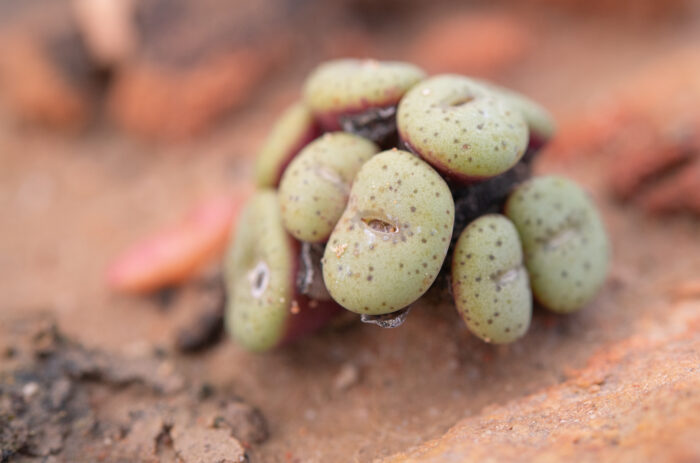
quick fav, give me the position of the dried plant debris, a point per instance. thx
(51, 405)
(489, 196)
(387, 320)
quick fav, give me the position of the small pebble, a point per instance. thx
(347, 377)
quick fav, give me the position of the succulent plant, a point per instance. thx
(265, 306)
(360, 96)
(564, 240)
(464, 130)
(372, 232)
(390, 242)
(292, 131)
(315, 187)
(490, 284)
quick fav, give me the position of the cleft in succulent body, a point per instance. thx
(391, 241)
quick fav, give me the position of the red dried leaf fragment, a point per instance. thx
(176, 253)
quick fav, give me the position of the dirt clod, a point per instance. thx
(242, 420)
(204, 327)
(51, 407)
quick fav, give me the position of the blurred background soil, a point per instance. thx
(99, 148)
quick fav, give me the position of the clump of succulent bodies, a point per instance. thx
(392, 239)
(315, 187)
(489, 281)
(564, 239)
(388, 224)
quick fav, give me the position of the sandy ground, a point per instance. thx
(71, 204)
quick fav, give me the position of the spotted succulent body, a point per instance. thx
(391, 241)
(490, 284)
(464, 130)
(315, 187)
(264, 309)
(345, 87)
(258, 275)
(564, 239)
